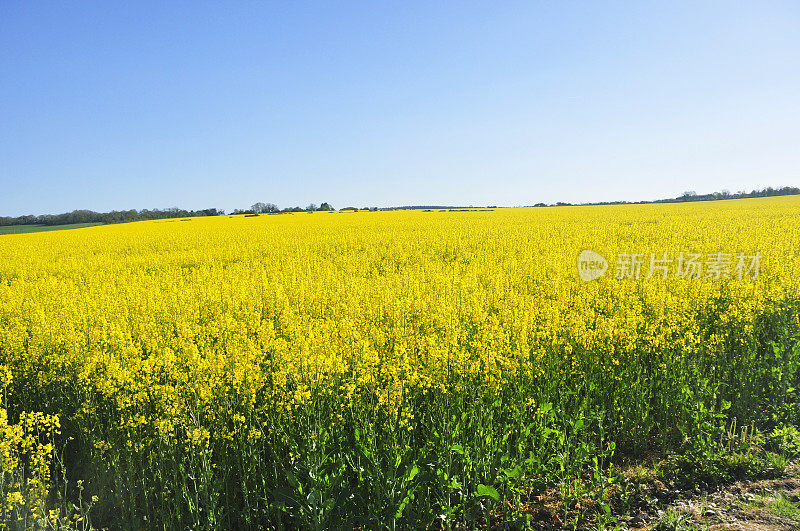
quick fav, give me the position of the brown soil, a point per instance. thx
(767, 505)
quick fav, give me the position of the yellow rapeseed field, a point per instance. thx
(396, 368)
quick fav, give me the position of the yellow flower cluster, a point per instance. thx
(187, 333)
(26, 456)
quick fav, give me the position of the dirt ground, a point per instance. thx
(766, 505)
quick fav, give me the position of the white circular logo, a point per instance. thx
(591, 265)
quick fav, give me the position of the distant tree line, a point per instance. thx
(124, 216)
(725, 194)
(115, 216)
(271, 208)
(694, 196)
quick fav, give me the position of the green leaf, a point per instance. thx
(402, 506)
(286, 498)
(292, 479)
(491, 492)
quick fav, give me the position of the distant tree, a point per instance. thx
(311, 208)
(325, 207)
(115, 216)
(258, 208)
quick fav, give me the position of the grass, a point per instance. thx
(781, 506)
(676, 520)
(24, 229)
(778, 505)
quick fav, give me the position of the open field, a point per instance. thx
(24, 229)
(388, 369)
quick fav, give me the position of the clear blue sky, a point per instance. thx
(107, 105)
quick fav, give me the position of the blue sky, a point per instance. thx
(108, 105)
